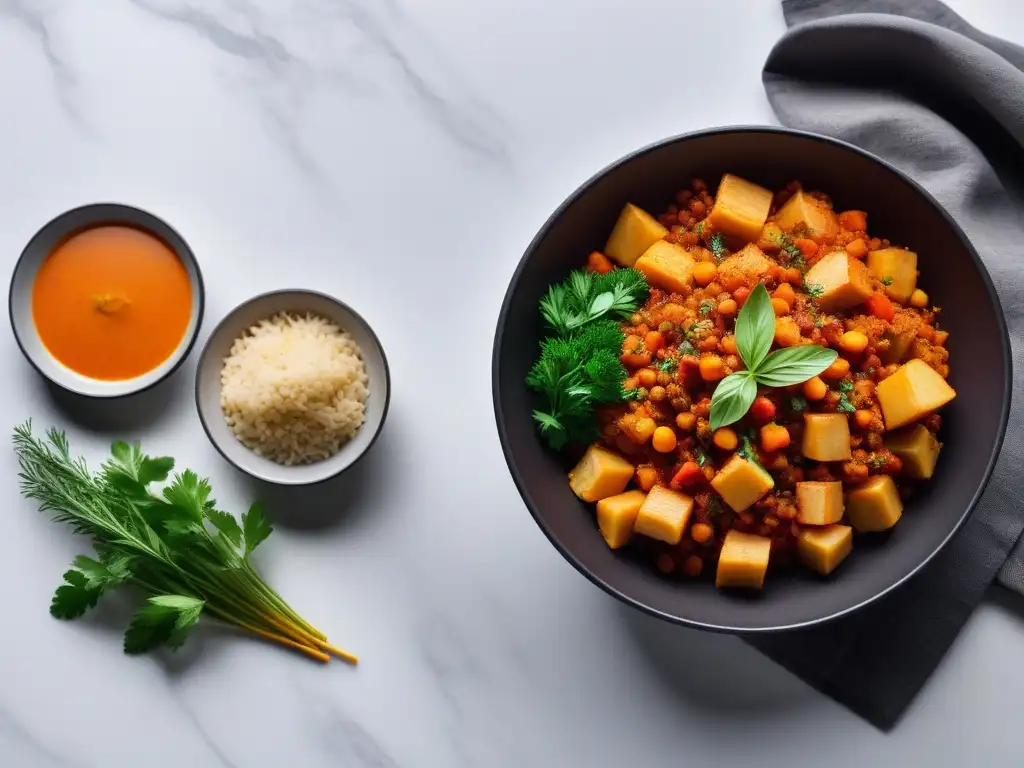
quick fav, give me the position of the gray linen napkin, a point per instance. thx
(914, 83)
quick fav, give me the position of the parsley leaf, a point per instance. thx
(163, 620)
(256, 527)
(886, 280)
(798, 404)
(706, 306)
(74, 597)
(814, 290)
(717, 245)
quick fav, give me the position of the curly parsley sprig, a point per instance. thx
(579, 365)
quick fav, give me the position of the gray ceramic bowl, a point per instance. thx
(44, 242)
(217, 349)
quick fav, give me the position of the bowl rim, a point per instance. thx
(376, 343)
(500, 418)
(186, 253)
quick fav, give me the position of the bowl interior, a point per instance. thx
(950, 272)
(219, 346)
(42, 244)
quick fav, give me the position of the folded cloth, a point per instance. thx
(912, 82)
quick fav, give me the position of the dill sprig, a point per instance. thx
(189, 557)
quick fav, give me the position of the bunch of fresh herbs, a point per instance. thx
(189, 558)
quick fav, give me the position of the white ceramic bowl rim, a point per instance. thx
(42, 244)
(207, 387)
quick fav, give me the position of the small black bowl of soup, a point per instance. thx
(106, 300)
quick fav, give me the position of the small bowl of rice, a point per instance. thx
(293, 387)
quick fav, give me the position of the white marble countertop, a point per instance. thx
(399, 155)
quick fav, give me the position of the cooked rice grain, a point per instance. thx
(294, 388)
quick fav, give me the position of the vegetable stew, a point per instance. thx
(776, 390)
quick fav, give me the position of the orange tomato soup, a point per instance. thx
(112, 302)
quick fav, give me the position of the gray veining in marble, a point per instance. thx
(399, 154)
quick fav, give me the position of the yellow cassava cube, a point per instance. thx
(819, 503)
(917, 448)
(616, 516)
(741, 482)
(875, 505)
(600, 474)
(743, 560)
(826, 437)
(664, 515)
(634, 232)
(914, 391)
(745, 267)
(845, 282)
(741, 208)
(667, 266)
(897, 269)
(814, 214)
(822, 549)
(900, 335)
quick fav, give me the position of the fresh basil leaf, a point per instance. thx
(732, 399)
(755, 327)
(794, 365)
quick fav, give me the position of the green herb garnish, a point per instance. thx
(798, 404)
(845, 387)
(699, 228)
(814, 290)
(585, 297)
(668, 365)
(702, 457)
(755, 330)
(188, 557)
(579, 366)
(747, 449)
(877, 461)
(699, 329)
(686, 348)
(717, 245)
(886, 280)
(706, 306)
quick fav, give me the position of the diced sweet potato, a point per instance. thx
(745, 267)
(914, 391)
(875, 505)
(897, 269)
(905, 324)
(812, 214)
(917, 448)
(819, 503)
(740, 482)
(826, 437)
(664, 515)
(740, 208)
(600, 474)
(822, 549)
(743, 561)
(787, 332)
(616, 516)
(667, 266)
(634, 232)
(845, 282)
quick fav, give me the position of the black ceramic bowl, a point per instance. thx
(898, 209)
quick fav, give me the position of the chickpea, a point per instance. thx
(727, 308)
(919, 299)
(657, 394)
(838, 370)
(853, 341)
(686, 421)
(701, 532)
(664, 440)
(726, 439)
(647, 377)
(693, 565)
(815, 389)
(704, 272)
